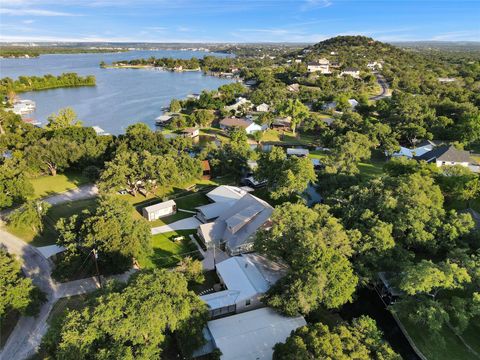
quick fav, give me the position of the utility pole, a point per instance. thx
(95, 258)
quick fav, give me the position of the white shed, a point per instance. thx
(157, 211)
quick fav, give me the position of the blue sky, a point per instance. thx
(237, 20)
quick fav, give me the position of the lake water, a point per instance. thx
(121, 97)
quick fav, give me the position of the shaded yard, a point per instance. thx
(167, 252)
(49, 235)
(50, 185)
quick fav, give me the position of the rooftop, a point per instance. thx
(252, 334)
(160, 206)
(447, 153)
(231, 122)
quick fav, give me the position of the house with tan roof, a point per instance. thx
(249, 126)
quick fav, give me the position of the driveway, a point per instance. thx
(184, 224)
(86, 191)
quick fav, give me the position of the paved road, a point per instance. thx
(383, 83)
(184, 224)
(27, 335)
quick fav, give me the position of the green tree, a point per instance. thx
(359, 340)
(348, 151)
(14, 186)
(175, 106)
(17, 293)
(284, 175)
(203, 118)
(316, 247)
(153, 305)
(65, 118)
(52, 155)
(297, 111)
(31, 214)
(110, 230)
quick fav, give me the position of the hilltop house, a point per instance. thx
(374, 65)
(354, 72)
(322, 66)
(245, 279)
(250, 335)
(235, 227)
(249, 126)
(446, 155)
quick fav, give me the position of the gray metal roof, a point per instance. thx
(447, 153)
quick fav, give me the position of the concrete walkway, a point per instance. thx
(209, 261)
(184, 224)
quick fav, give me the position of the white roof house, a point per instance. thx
(353, 103)
(297, 152)
(262, 107)
(236, 226)
(411, 153)
(239, 102)
(246, 278)
(222, 197)
(250, 335)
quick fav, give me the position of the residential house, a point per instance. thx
(262, 107)
(163, 120)
(249, 126)
(322, 66)
(354, 72)
(245, 280)
(249, 335)
(222, 198)
(157, 211)
(420, 150)
(99, 131)
(241, 101)
(446, 155)
(444, 80)
(353, 103)
(297, 152)
(333, 105)
(190, 132)
(374, 65)
(235, 228)
(282, 123)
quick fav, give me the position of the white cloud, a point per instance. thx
(466, 35)
(33, 12)
(30, 21)
(315, 4)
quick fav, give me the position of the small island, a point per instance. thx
(36, 83)
(34, 52)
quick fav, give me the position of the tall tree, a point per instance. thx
(153, 305)
(297, 111)
(360, 340)
(31, 214)
(66, 117)
(52, 155)
(14, 186)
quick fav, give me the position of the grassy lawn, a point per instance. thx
(446, 345)
(285, 137)
(371, 169)
(49, 235)
(49, 185)
(167, 252)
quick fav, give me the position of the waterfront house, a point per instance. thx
(157, 211)
(245, 280)
(235, 228)
(241, 101)
(163, 120)
(190, 132)
(446, 155)
(249, 126)
(249, 335)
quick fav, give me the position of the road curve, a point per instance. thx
(384, 84)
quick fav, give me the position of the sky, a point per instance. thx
(237, 20)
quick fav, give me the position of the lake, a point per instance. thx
(121, 97)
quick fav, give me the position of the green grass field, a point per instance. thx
(167, 252)
(50, 185)
(446, 345)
